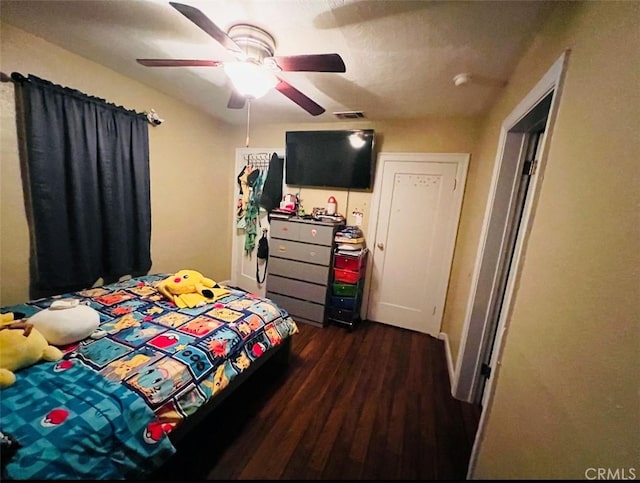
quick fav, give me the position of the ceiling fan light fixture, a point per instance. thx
(249, 79)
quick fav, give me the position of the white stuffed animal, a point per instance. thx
(66, 321)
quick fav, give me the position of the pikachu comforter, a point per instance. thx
(173, 359)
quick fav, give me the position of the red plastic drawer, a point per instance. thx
(349, 263)
(346, 276)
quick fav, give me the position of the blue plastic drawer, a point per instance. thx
(343, 302)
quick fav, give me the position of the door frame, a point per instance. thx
(461, 160)
(507, 170)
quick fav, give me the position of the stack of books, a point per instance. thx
(281, 214)
(350, 240)
(331, 218)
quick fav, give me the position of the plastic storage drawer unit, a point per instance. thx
(347, 287)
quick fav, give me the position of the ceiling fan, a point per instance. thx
(256, 69)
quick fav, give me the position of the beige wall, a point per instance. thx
(419, 135)
(444, 135)
(566, 397)
(191, 165)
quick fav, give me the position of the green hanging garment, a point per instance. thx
(252, 212)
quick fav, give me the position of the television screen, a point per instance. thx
(331, 159)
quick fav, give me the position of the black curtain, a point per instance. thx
(87, 170)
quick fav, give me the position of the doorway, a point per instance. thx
(536, 122)
(522, 148)
(497, 264)
(416, 208)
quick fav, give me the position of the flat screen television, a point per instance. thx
(330, 159)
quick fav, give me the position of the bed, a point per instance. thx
(115, 407)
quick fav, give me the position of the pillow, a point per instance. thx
(62, 325)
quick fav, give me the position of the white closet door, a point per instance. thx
(417, 220)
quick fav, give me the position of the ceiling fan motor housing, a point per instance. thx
(256, 43)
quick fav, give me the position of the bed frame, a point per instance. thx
(278, 356)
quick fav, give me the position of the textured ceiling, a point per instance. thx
(401, 56)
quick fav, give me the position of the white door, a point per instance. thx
(419, 200)
(243, 265)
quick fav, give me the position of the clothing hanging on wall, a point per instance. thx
(252, 214)
(247, 180)
(272, 192)
(251, 180)
(262, 254)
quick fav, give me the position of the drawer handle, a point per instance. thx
(282, 248)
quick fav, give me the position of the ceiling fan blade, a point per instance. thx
(178, 63)
(202, 21)
(236, 101)
(299, 98)
(311, 63)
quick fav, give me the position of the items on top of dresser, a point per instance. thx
(350, 240)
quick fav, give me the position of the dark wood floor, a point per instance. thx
(374, 403)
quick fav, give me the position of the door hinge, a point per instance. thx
(529, 167)
(485, 370)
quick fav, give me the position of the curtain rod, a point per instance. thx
(14, 77)
(151, 116)
(32, 79)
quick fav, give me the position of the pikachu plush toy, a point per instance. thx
(21, 345)
(189, 288)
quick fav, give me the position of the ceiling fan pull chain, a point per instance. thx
(248, 119)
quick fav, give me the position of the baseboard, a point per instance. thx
(447, 348)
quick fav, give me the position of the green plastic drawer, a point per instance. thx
(345, 289)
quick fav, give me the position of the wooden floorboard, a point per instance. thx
(374, 403)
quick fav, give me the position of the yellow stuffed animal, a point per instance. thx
(189, 288)
(21, 345)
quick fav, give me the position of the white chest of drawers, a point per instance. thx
(300, 267)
